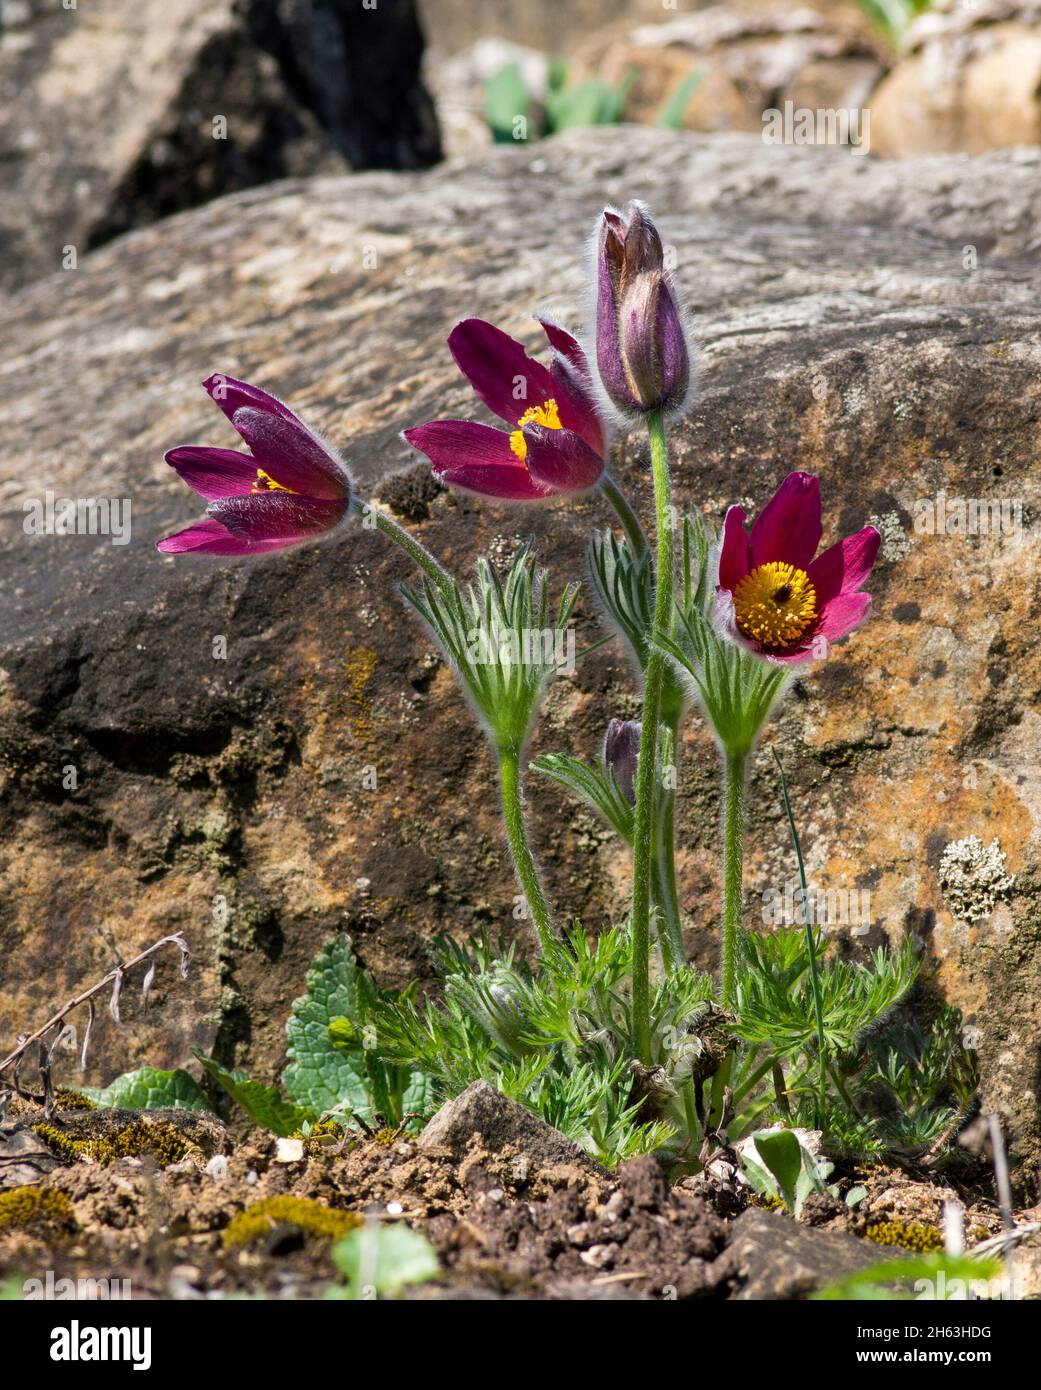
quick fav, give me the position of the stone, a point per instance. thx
(873, 321)
(112, 115)
(772, 1257)
(752, 59)
(24, 1157)
(499, 1121)
(970, 80)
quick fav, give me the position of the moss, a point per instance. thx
(156, 1138)
(24, 1207)
(905, 1235)
(313, 1218)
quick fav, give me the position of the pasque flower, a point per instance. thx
(556, 439)
(621, 752)
(774, 597)
(641, 343)
(290, 487)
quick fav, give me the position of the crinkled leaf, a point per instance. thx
(322, 1075)
(148, 1088)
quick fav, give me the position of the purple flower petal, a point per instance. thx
(610, 254)
(214, 473)
(505, 378)
(266, 517)
(561, 460)
(475, 457)
(573, 389)
(845, 566)
(842, 614)
(290, 454)
(789, 526)
(206, 538)
(232, 395)
(733, 555)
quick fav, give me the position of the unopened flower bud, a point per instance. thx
(641, 343)
(621, 754)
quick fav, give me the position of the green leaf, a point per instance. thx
(855, 1196)
(322, 1076)
(888, 1280)
(419, 1097)
(506, 100)
(782, 1154)
(265, 1105)
(150, 1089)
(384, 1259)
(672, 113)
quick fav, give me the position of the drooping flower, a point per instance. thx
(290, 487)
(641, 343)
(556, 441)
(774, 597)
(622, 753)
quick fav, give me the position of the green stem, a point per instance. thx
(630, 521)
(733, 855)
(405, 541)
(666, 893)
(811, 947)
(523, 860)
(643, 833)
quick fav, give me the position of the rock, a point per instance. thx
(843, 330)
(24, 1157)
(111, 116)
(773, 1257)
(752, 60)
(484, 1111)
(970, 81)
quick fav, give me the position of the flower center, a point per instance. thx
(544, 415)
(265, 483)
(775, 604)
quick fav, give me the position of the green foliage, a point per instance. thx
(500, 637)
(513, 116)
(778, 1164)
(675, 108)
(507, 104)
(150, 1089)
(265, 1105)
(378, 1259)
(894, 17)
(558, 1039)
(775, 1006)
(334, 1070)
(324, 1076)
(945, 1277)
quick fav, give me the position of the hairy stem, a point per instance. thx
(811, 951)
(517, 835)
(405, 541)
(666, 893)
(643, 833)
(630, 521)
(733, 859)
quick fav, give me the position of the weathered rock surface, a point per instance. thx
(113, 114)
(772, 1257)
(841, 332)
(499, 1121)
(970, 80)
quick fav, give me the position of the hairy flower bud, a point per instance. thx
(641, 344)
(621, 753)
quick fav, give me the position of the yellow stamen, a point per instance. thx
(265, 483)
(775, 604)
(544, 415)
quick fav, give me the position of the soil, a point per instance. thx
(502, 1225)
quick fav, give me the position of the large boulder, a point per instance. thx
(113, 114)
(845, 328)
